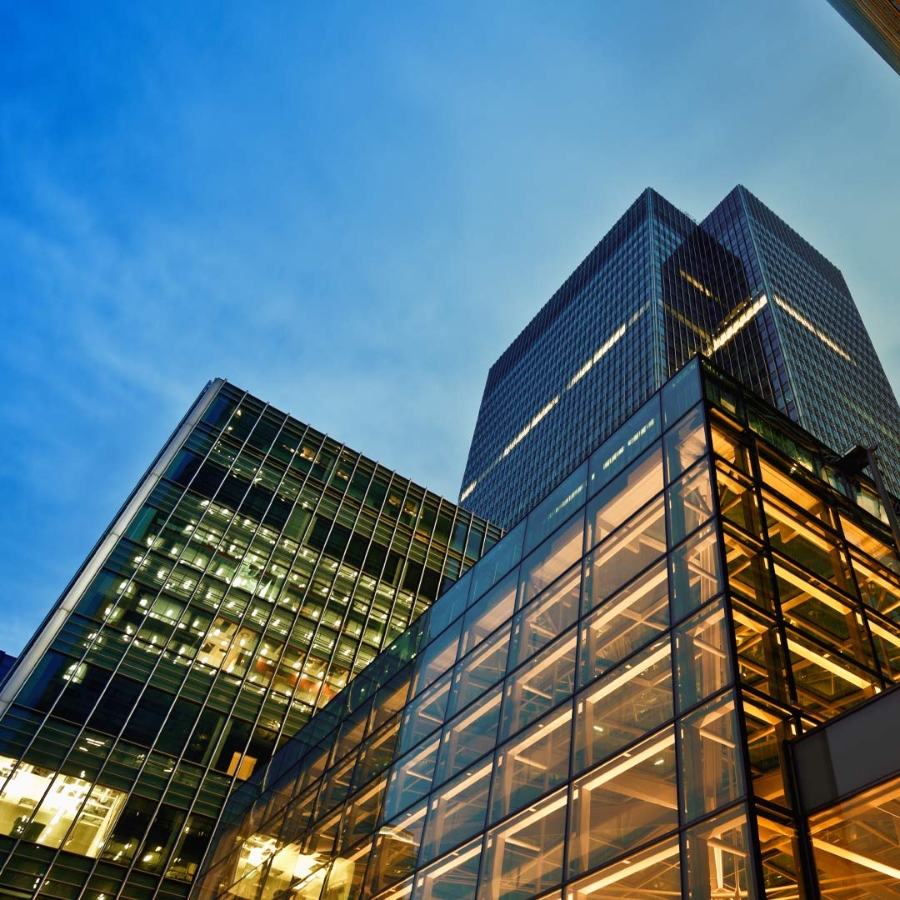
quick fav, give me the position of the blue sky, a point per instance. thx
(350, 210)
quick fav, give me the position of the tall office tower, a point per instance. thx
(878, 21)
(257, 567)
(667, 681)
(741, 287)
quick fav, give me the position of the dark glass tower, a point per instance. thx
(256, 569)
(741, 287)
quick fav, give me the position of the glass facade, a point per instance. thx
(256, 569)
(741, 287)
(600, 707)
(878, 21)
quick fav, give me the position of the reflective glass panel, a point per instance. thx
(626, 802)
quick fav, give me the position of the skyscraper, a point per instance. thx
(256, 568)
(741, 287)
(641, 692)
(878, 21)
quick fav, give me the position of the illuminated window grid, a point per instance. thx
(263, 568)
(574, 748)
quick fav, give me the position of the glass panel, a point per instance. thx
(702, 658)
(804, 540)
(452, 878)
(632, 618)
(489, 613)
(626, 445)
(718, 858)
(425, 713)
(551, 559)
(649, 875)
(535, 761)
(469, 736)
(411, 778)
(695, 573)
(878, 548)
(878, 589)
(856, 846)
(484, 667)
(556, 508)
(624, 496)
(23, 812)
(738, 502)
(524, 856)
(768, 728)
(623, 705)
(886, 637)
(536, 688)
(749, 575)
(685, 443)
(710, 758)
(777, 845)
(639, 542)
(499, 561)
(815, 607)
(760, 657)
(690, 502)
(728, 444)
(546, 617)
(826, 684)
(436, 659)
(457, 811)
(681, 392)
(624, 803)
(395, 851)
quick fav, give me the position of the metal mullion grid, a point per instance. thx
(862, 611)
(179, 760)
(381, 516)
(114, 739)
(316, 568)
(341, 504)
(175, 696)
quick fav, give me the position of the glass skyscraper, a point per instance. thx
(741, 287)
(622, 698)
(878, 21)
(256, 569)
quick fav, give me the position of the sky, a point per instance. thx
(350, 210)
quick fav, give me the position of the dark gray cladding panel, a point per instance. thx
(855, 751)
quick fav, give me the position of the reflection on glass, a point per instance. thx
(426, 713)
(547, 617)
(628, 801)
(702, 658)
(396, 848)
(551, 559)
(648, 875)
(532, 763)
(632, 618)
(536, 688)
(631, 701)
(524, 855)
(480, 670)
(411, 778)
(711, 758)
(469, 736)
(637, 544)
(450, 878)
(624, 496)
(856, 845)
(457, 811)
(695, 574)
(685, 443)
(718, 857)
(690, 502)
